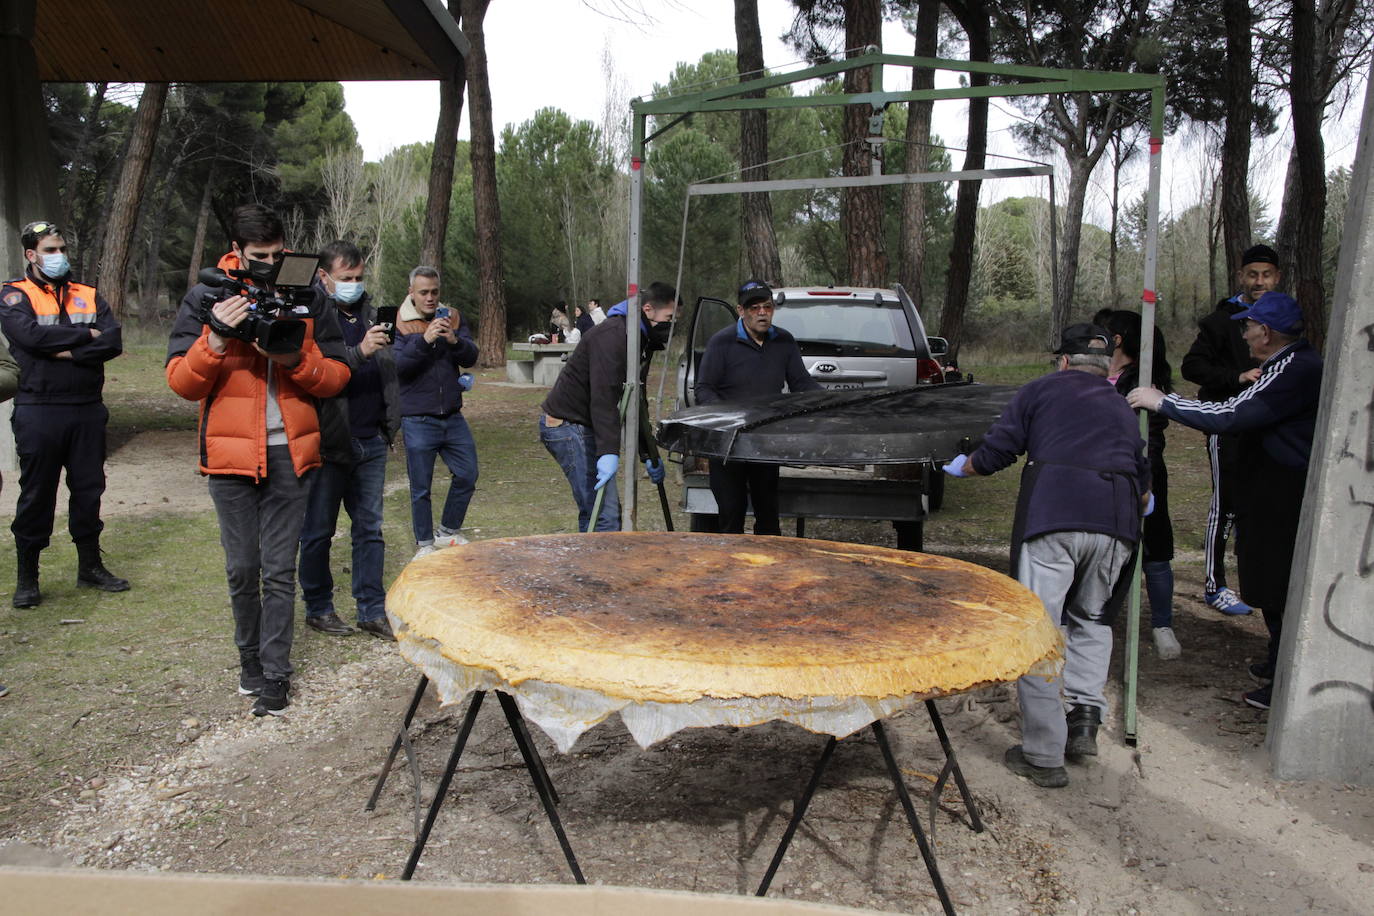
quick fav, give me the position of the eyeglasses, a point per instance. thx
(764, 306)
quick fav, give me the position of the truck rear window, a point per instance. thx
(847, 329)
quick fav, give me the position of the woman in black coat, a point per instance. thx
(1158, 540)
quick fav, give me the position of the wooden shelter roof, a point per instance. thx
(245, 40)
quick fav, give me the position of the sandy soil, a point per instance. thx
(1189, 821)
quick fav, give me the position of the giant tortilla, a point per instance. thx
(655, 617)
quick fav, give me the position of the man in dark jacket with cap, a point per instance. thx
(1085, 484)
(1274, 419)
(749, 359)
(1221, 365)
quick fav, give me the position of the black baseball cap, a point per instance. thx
(1085, 338)
(1259, 254)
(754, 291)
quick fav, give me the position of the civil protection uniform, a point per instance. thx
(1077, 521)
(59, 417)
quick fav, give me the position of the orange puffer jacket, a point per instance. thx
(232, 390)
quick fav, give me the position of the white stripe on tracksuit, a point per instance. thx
(1217, 521)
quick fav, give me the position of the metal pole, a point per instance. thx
(1148, 298)
(629, 424)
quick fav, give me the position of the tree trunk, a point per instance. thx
(1235, 144)
(974, 18)
(1309, 157)
(112, 277)
(491, 295)
(861, 209)
(1113, 280)
(912, 252)
(441, 163)
(150, 282)
(83, 143)
(759, 239)
(202, 227)
(1080, 170)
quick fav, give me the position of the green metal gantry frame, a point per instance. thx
(1027, 81)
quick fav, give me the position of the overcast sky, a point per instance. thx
(544, 53)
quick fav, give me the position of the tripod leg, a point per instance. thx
(540, 777)
(900, 784)
(463, 732)
(798, 811)
(396, 745)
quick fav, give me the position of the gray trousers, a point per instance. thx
(260, 527)
(1072, 572)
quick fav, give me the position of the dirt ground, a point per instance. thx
(1188, 821)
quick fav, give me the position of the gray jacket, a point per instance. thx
(336, 441)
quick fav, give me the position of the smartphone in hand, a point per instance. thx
(442, 311)
(386, 320)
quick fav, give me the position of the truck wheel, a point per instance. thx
(700, 521)
(910, 535)
(935, 491)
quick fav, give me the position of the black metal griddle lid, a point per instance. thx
(851, 427)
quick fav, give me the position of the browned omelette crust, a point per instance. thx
(673, 617)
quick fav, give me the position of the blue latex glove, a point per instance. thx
(606, 466)
(654, 470)
(956, 467)
(465, 381)
(1150, 504)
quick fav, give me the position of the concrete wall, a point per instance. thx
(1322, 722)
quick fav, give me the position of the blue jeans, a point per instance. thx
(448, 438)
(358, 488)
(573, 446)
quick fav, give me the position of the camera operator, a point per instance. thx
(259, 441)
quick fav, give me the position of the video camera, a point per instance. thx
(292, 284)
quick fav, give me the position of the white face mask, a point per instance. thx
(348, 291)
(55, 266)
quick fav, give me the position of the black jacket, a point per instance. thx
(588, 389)
(336, 442)
(1277, 415)
(735, 367)
(1218, 356)
(45, 378)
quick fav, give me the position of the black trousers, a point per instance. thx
(737, 483)
(1268, 510)
(49, 439)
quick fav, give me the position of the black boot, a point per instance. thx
(1083, 723)
(92, 573)
(26, 593)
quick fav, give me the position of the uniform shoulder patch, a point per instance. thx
(14, 298)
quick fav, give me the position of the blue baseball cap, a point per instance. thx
(1275, 310)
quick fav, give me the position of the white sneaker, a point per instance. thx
(424, 551)
(448, 540)
(1166, 643)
